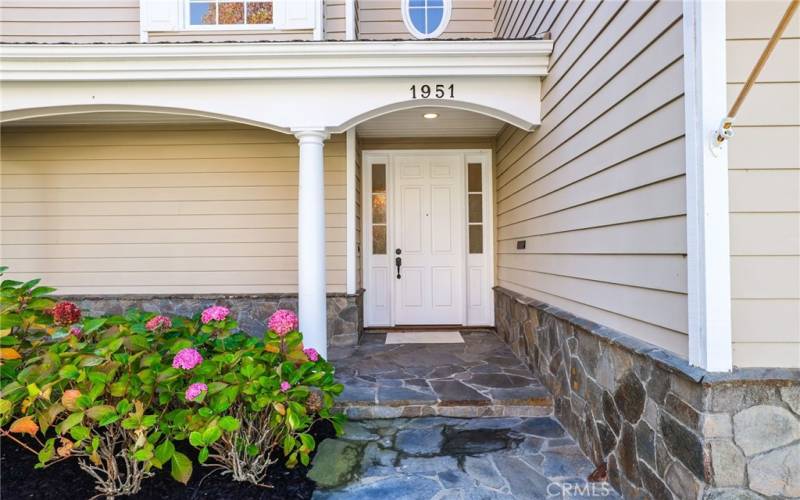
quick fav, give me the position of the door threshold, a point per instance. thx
(422, 328)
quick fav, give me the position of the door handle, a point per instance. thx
(398, 261)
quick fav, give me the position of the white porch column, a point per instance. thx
(311, 240)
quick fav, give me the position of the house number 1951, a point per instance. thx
(439, 91)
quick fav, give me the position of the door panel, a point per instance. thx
(429, 231)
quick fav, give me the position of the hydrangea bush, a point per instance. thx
(118, 392)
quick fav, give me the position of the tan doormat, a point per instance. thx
(450, 337)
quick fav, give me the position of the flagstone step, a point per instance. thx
(479, 378)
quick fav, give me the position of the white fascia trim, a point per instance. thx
(707, 209)
(210, 61)
(350, 173)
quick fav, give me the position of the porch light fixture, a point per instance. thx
(430, 116)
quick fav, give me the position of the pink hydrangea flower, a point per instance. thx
(214, 313)
(158, 323)
(312, 354)
(194, 391)
(285, 386)
(187, 359)
(283, 321)
(76, 331)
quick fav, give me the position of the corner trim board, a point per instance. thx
(707, 208)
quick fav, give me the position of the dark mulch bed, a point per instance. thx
(66, 481)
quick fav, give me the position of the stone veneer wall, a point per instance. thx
(664, 429)
(345, 312)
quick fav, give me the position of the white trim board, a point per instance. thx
(203, 61)
(707, 209)
(350, 210)
(350, 19)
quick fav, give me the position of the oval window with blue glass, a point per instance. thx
(426, 18)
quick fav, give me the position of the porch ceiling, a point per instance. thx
(449, 123)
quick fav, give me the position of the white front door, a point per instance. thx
(428, 239)
(415, 202)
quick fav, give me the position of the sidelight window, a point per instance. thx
(475, 207)
(379, 209)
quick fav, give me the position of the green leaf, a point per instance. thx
(79, 432)
(91, 361)
(30, 284)
(96, 377)
(40, 291)
(46, 453)
(164, 451)
(203, 455)
(41, 304)
(228, 423)
(304, 458)
(83, 401)
(181, 467)
(123, 406)
(196, 439)
(109, 419)
(92, 325)
(70, 422)
(130, 423)
(100, 412)
(252, 450)
(143, 454)
(5, 406)
(118, 389)
(292, 419)
(308, 441)
(149, 421)
(180, 344)
(33, 390)
(69, 371)
(288, 444)
(211, 435)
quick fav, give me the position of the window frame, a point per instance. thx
(188, 26)
(405, 7)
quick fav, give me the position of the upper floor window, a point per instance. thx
(229, 13)
(426, 18)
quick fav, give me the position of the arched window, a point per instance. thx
(426, 18)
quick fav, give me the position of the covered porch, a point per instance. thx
(272, 97)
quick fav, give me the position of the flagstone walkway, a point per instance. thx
(479, 378)
(453, 458)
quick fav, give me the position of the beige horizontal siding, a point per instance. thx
(335, 20)
(383, 20)
(161, 209)
(598, 191)
(764, 163)
(76, 21)
(117, 21)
